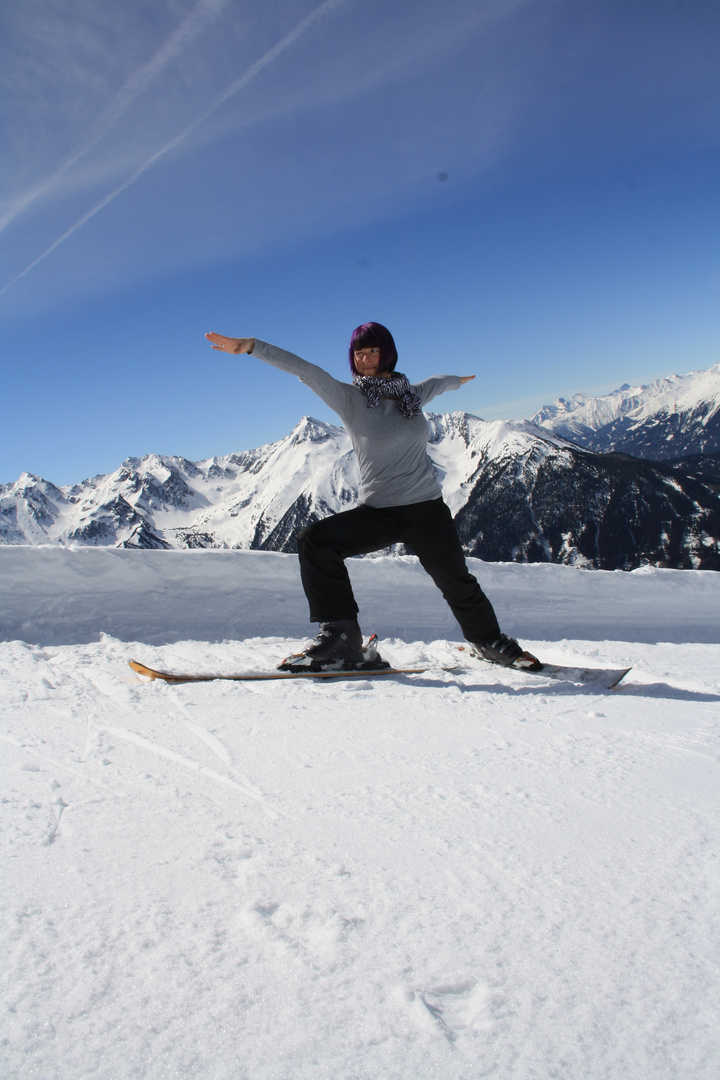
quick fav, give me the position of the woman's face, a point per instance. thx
(367, 361)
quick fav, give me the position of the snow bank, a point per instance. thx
(51, 596)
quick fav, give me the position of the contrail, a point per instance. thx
(199, 18)
(233, 88)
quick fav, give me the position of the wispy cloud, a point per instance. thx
(199, 20)
(139, 83)
(481, 91)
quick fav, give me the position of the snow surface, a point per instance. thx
(452, 875)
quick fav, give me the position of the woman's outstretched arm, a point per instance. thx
(333, 393)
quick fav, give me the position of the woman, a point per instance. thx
(400, 500)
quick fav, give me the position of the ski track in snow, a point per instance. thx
(446, 876)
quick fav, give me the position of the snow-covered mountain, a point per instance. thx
(519, 493)
(253, 499)
(667, 419)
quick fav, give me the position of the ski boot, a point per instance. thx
(506, 651)
(338, 646)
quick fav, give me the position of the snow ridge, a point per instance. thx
(671, 417)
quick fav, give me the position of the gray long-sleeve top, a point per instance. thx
(391, 449)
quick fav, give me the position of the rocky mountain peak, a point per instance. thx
(671, 417)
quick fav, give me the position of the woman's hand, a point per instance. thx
(231, 344)
(465, 378)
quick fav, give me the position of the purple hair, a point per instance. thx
(371, 335)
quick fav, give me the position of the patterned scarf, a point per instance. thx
(396, 386)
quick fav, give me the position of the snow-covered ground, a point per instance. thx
(452, 875)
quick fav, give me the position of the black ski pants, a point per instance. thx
(427, 528)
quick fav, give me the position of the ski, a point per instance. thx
(260, 676)
(607, 678)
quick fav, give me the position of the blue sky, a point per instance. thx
(526, 190)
